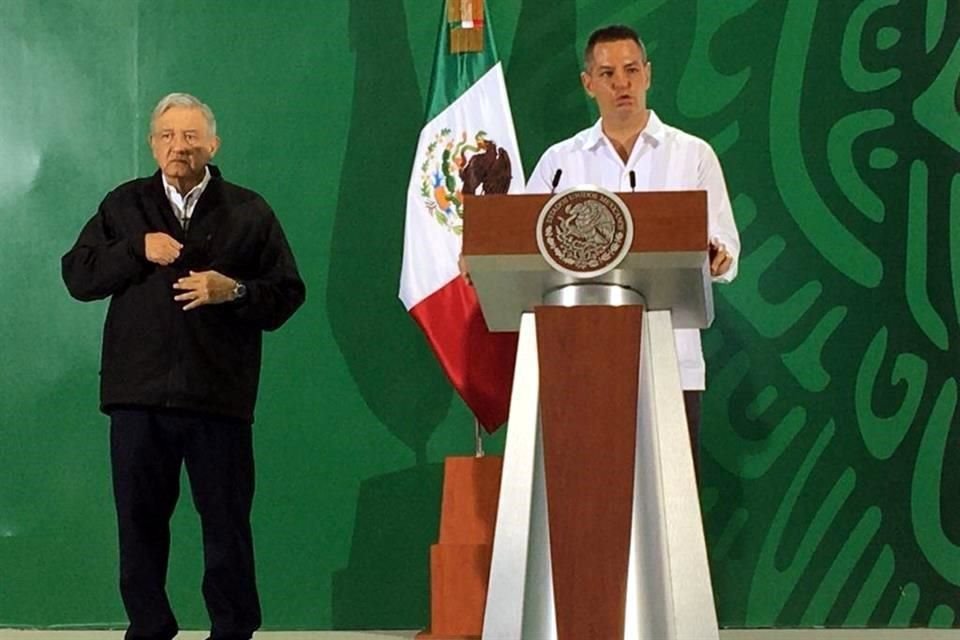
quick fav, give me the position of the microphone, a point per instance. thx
(633, 180)
(556, 180)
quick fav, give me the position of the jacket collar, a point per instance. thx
(211, 198)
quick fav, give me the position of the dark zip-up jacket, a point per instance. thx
(155, 354)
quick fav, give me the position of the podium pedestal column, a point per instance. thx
(668, 593)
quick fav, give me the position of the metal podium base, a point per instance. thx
(669, 593)
(592, 293)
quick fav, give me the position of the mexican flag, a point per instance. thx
(468, 145)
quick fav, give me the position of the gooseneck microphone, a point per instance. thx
(633, 180)
(556, 180)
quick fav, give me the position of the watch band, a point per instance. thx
(239, 290)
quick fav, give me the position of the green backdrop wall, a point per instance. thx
(831, 442)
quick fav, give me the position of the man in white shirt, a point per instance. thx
(630, 148)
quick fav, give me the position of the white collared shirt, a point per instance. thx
(183, 205)
(663, 158)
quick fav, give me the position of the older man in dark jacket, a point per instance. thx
(196, 269)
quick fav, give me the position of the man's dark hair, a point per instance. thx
(612, 33)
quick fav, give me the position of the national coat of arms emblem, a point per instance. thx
(584, 232)
(454, 166)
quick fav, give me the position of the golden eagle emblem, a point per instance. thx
(454, 166)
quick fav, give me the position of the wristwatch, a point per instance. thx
(239, 290)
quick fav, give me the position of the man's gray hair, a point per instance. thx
(183, 100)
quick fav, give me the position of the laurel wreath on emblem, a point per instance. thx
(438, 184)
(452, 167)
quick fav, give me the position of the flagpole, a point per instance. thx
(466, 101)
(477, 439)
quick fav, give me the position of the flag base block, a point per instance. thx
(460, 561)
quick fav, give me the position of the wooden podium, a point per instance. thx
(598, 531)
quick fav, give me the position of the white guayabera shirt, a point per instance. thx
(664, 158)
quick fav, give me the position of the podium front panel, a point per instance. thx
(668, 263)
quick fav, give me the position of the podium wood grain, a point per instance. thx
(589, 366)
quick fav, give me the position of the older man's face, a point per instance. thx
(182, 143)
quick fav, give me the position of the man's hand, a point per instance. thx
(204, 287)
(462, 265)
(161, 248)
(720, 260)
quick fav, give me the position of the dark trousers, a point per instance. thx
(691, 404)
(147, 448)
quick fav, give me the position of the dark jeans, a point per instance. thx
(147, 448)
(691, 403)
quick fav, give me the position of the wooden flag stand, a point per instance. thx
(460, 561)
